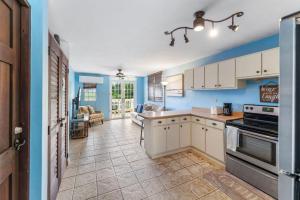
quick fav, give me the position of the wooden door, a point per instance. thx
(199, 82)
(58, 117)
(189, 79)
(54, 139)
(270, 62)
(227, 77)
(211, 76)
(14, 94)
(248, 66)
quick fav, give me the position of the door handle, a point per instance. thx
(19, 144)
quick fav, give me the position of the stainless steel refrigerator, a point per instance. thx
(289, 118)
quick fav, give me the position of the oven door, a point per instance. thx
(257, 149)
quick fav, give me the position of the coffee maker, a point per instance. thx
(227, 109)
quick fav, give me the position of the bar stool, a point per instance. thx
(141, 136)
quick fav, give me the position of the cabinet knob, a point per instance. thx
(159, 122)
(202, 128)
(202, 86)
(197, 120)
(173, 120)
(265, 70)
(257, 71)
(168, 127)
(206, 129)
(214, 124)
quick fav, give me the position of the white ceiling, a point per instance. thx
(105, 34)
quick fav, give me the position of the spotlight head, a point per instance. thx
(186, 39)
(234, 27)
(172, 42)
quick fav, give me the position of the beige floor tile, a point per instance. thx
(67, 183)
(133, 192)
(173, 165)
(85, 179)
(103, 164)
(119, 161)
(70, 172)
(161, 196)
(178, 193)
(217, 195)
(116, 154)
(115, 195)
(85, 192)
(152, 186)
(82, 169)
(65, 195)
(199, 187)
(122, 169)
(86, 160)
(107, 185)
(185, 161)
(127, 179)
(200, 169)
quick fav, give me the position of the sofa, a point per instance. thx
(95, 117)
(142, 108)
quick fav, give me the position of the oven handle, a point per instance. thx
(258, 136)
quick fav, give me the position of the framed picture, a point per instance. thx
(269, 93)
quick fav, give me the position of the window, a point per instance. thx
(89, 94)
(155, 91)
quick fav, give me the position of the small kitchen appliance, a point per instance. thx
(252, 147)
(227, 109)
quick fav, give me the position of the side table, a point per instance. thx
(79, 128)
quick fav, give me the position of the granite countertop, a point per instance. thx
(198, 112)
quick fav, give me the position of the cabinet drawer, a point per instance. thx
(215, 124)
(198, 120)
(173, 120)
(185, 119)
(158, 122)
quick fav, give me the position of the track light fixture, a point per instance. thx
(186, 39)
(199, 25)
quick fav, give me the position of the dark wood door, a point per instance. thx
(13, 129)
(58, 117)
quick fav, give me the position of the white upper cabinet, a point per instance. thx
(270, 62)
(227, 78)
(199, 81)
(248, 66)
(189, 79)
(211, 76)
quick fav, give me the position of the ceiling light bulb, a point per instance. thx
(198, 28)
(199, 24)
(213, 32)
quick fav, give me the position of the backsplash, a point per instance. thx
(208, 98)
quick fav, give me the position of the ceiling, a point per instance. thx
(103, 35)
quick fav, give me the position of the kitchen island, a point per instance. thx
(169, 132)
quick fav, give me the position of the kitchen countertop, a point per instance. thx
(198, 112)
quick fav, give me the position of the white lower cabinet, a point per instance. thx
(198, 136)
(185, 134)
(172, 137)
(159, 141)
(215, 143)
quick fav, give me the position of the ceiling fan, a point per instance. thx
(120, 74)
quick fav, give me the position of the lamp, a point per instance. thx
(164, 84)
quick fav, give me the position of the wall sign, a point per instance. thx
(269, 93)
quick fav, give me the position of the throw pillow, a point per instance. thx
(91, 110)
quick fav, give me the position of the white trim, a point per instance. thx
(110, 98)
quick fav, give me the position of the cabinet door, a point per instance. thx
(270, 62)
(199, 82)
(159, 139)
(248, 66)
(185, 135)
(173, 137)
(189, 79)
(198, 136)
(227, 77)
(215, 143)
(211, 76)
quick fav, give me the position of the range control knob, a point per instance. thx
(246, 107)
(251, 108)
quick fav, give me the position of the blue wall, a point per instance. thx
(71, 90)
(249, 94)
(140, 90)
(39, 100)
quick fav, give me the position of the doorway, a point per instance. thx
(14, 99)
(123, 97)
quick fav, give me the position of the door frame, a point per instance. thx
(25, 68)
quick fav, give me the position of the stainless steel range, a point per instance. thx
(252, 147)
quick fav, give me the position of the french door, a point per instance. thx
(58, 117)
(122, 97)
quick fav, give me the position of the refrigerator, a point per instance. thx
(289, 118)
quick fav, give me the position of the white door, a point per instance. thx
(199, 81)
(248, 66)
(189, 79)
(198, 136)
(211, 76)
(159, 139)
(173, 137)
(270, 62)
(227, 77)
(185, 134)
(215, 143)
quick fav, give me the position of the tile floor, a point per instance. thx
(111, 165)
